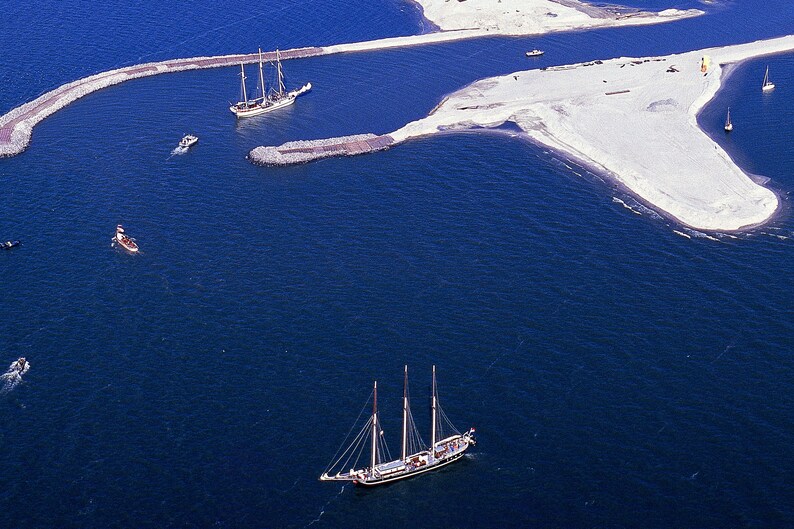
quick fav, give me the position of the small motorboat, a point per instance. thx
(188, 141)
(9, 244)
(535, 53)
(13, 377)
(125, 240)
(20, 366)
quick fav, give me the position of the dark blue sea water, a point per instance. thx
(619, 374)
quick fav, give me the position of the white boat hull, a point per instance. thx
(767, 87)
(270, 105)
(376, 482)
(365, 478)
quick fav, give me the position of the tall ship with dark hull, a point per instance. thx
(447, 445)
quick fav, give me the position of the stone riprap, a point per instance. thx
(295, 152)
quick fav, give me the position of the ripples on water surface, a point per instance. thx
(620, 375)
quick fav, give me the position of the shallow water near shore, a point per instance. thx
(621, 371)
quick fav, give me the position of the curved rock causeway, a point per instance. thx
(17, 125)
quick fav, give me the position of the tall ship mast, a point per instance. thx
(266, 102)
(280, 74)
(415, 457)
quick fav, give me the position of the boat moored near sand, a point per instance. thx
(535, 53)
(124, 240)
(415, 458)
(767, 85)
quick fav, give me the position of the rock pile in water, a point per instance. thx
(295, 152)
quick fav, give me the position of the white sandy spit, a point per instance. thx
(403, 42)
(533, 17)
(646, 135)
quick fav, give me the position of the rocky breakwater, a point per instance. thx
(17, 125)
(295, 152)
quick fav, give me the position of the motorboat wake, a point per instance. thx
(13, 377)
(7, 245)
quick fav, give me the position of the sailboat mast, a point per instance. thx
(374, 458)
(242, 83)
(405, 413)
(261, 75)
(433, 429)
(280, 74)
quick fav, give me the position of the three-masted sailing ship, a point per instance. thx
(446, 446)
(277, 97)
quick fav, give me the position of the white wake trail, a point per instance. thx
(322, 510)
(13, 377)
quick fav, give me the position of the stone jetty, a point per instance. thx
(295, 152)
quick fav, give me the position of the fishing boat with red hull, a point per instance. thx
(416, 458)
(124, 240)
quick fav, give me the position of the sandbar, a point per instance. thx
(633, 119)
(535, 17)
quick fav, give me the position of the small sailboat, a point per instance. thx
(767, 85)
(415, 457)
(728, 123)
(124, 240)
(277, 98)
(188, 141)
(535, 53)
